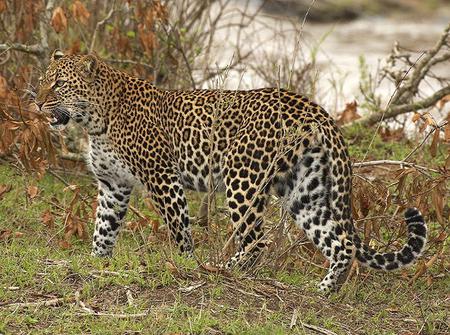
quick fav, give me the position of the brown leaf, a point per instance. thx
(429, 120)
(135, 225)
(4, 91)
(63, 244)
(441, 103)
(3, 5)
(74, 48)
(349, 114)
(447, 130)
(416, 117)
(434, 143)
(172, 268)
(5, 234)
(155, 225)
(59, 20)
(211, 268)
(32, 191)
(441, 237)
(80, 12)
(423, 267)
(48, 219)
(437, 197)
(72, 187)
(4, 189)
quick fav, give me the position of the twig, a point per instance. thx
(392, 162)
(96, 273)
(44, 26)
(100, 24)
(407, 83)
(45, 303)
(395, 110)
(34, 49)
(317, 329)
(90, 311)
(70, 156)
(113, 315)
(435, 128)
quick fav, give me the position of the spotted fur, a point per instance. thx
(265, 141)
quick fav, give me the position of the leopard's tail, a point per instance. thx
(340, 177)
(417, 236)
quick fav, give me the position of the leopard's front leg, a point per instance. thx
(112, 204)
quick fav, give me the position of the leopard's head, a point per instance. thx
(71, 89)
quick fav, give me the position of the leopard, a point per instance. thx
(252, 145)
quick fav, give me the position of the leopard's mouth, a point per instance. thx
(59, 117)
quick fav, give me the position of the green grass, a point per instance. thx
(138, 279)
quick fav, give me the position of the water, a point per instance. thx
(340, 47)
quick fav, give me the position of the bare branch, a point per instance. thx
(35, 49)
(392, 162)
(395, 110)
(100, 24)
(44, 26)
(409, 88)
(44, 303)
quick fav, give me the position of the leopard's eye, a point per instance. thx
(59, 83)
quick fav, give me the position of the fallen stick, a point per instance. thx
(45, 303)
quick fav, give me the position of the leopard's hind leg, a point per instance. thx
(307, 194)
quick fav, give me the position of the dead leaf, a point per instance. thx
(447, 130)
(149, 205)
(422, 267)
(75, 48)
(4, 189)
(152, 239)
(80, 12)
(4, 91)
(4, 234)
(135, 225)
(172, 268)
(429, 120)
(3, 6)
(64, 244)
(59, 20)
(434, 143)
(48, 219)
(441, 103)
(72, 187)
(7, 233)
(349, 114)
(32, 191)
(211, 268)
(441, 237)
(437, 197)
(155, 226)
(416, 117)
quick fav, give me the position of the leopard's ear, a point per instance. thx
(88, 66)
(57, 54)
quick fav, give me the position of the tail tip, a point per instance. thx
(413, 215)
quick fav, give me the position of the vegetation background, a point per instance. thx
(394, 115)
